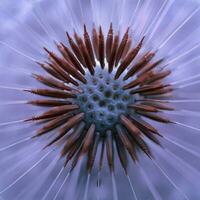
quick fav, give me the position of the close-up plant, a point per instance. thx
(99, 100)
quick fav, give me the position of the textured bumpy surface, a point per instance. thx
(103, 99)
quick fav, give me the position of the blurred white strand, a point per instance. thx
(85, 197)
(44, 24)
(178, 28)
(114, 186)
(184, 163)
(182, 147)
(53, 183)
(160, 19)
(132, 188)
(188, 84)
(134, 13)
(170, 180)
(197, 45)
(187, 126)
(26, 172)
(28, 28)
(18, 52)
(12, 122)
(15, 143)
(13, 103)
(185, 79)
(151, 187)
(66, 177)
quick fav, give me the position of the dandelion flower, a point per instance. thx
(99, 100)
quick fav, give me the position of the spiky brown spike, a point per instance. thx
(56, 111)
(140, 65)
(109, 42)
(62, 73)
(127, 48)
(51, 93)
(154, 117)
(48, 102)
(158, 105)
(88, 140)
(138, 81)
(51, 71)
(75, 120)
(121, 48)
(73, 138)
(54, 123)
(92, 153)
(141, 123)
(113, 53)
(101, 48)
(95, 41)
(148, 88)
(109, 150)
(51, 82)
(122, 154)
(151, 136)
(73, 151)
(129, 125)
(85, 54)
(142, 107)
(88, 44)
(150, 67)
(72, 59)
(66, 67)
(143, 146)
(76, 50)
(159, 92)
(126, 142)
(128, 59)
(157, 77)
(102, 154)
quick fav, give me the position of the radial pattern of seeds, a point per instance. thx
(100, 88)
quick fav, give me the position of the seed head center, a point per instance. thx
(103, 100)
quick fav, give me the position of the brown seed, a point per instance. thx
(51, 82)
(101, 48)
(127, 48)
(88, 44)
(140, 65)
(113, 53)
(122, 154)
(109, 150)
(73, 59)
(109, 43)
(92, 153)
(51, 93)
(95, 41)
(56, 111)
(73, 138)
(143, 107)
(154, 117)
(76, 50)
(121, 48)
(52, 124)
(125, 140)
(128, 59)
(129, 125)
(48, 102)
(75, 120)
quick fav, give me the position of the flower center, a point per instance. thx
(103, 100)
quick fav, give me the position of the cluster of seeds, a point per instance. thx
(97, 96)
